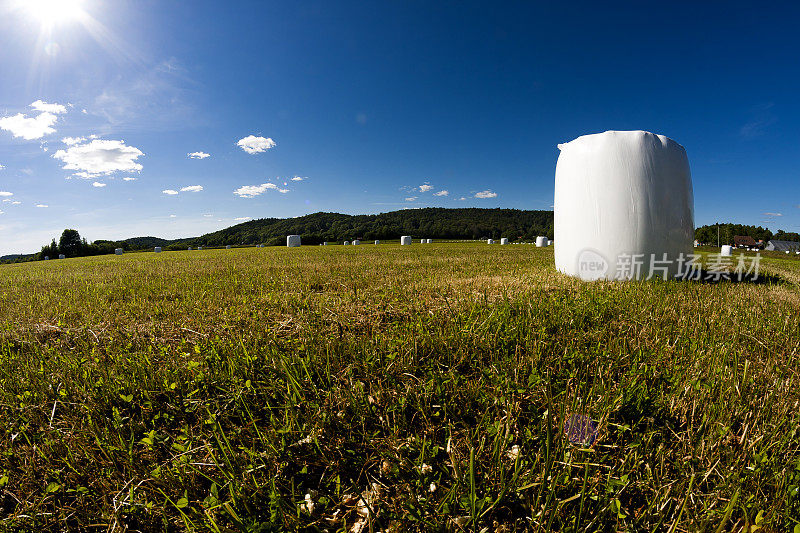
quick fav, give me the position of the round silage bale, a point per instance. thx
(356, 242)
(503, 240)
(726, 250)
(541, 242)
(118, 251)
(377, 242)
(622, 198)
(157, 249)
(293, 241)
(405, 240)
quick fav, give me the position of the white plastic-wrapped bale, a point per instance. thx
(356, 242)
(157, 249)
(377, 242)
(190, 248)
(118, 251)
(346, 243)
(199, 247)
(541, 242)
(549, 242)
(504, 240)
(62, 256)
(227, 246)
(623, 206)
(489, 241)
(293, 241)
(726, 250)
(430, 241)
(405, 240)
(47, 258)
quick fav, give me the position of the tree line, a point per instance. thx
(727, 231)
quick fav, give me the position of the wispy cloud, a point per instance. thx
(241, 219)
(411, 199)
(253, 145)
(128, 178)
(69, 141)
(773, 214)
(251, 191)
(170, 192)
(100, 158)
(761, 118)
(486, 194)
(299, 178)
(98, 184)
(198, 155)
(442, 193)
(192, 188)
(42, 205)
(6, 193)
(425, 187)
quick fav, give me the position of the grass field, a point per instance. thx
(371, 388)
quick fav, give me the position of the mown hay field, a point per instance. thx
(378, 388)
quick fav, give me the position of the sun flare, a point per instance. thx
(52, 12)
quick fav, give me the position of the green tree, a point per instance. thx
(70, 243)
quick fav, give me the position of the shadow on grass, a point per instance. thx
(713, 278)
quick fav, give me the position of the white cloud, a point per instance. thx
(441, 193)
(198, 155)
(486, 194)
(411, 198)
(425, 187)
(250, 191)
(253, 145)
(10, 201)
(29, 128)
(241, 219)
(169, 191)
(41, 205)
(100, 158)
(70, 141)
(774, 214)
(2, 167)
(296, 178)
(6, 193)
(463, 198)
(208, 215)
(44, 107)
(192, 188)
(129, 178)
(173, 216)
(98, 184)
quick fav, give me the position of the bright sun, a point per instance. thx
(52, 12)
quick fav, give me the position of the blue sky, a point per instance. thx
(376, 106)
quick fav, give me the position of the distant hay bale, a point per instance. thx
(293, 241)
(199, 247)
(47, 258)
(377, 242)
(356, 242)
(118, 251)
(726, 250)
(489, 241)
(190, 248)
(549, 242)
(157, 249)
(405, 240)
(62, 256)
(346, 243)
(326, 243)
(541, 242)
(503, 240)
(430, 241)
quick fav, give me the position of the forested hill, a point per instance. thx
(432, 222)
